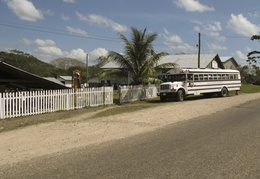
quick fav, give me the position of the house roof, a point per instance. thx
(55, 80)
(190, 60)
(66, 78)
(226, 59)
(13, 77)
(183, 61)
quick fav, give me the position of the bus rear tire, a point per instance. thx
(180, 95)
(224, 92)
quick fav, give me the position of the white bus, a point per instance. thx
(180, 83)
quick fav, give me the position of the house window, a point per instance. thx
(214, 64)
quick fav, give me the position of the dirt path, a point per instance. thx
(60, 136)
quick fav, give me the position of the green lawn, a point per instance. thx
(250, 88)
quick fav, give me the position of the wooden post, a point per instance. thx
(199, 52)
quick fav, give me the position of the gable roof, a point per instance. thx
(182, 60)
(13, 77)
(191, 60)
(226, 59)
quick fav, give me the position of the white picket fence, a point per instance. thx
(137, 93)
(25, 103)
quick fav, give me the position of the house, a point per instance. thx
(66, 80)
(14, 79)
(211, 61)
(229, 63)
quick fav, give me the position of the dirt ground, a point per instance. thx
(73, 131)
(14, 123)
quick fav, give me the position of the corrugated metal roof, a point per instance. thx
(188, 60)
(183, 60)
(67, 78)
(15, 77)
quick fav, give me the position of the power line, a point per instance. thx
(44, 30)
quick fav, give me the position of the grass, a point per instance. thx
(250, 88)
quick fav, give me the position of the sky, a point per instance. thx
(50, 29)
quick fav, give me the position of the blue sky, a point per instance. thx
(52, 29)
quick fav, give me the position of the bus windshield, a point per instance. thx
(172, 78)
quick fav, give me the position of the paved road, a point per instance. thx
(223, 145)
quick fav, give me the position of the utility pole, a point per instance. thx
(199, 52)
(87, 68)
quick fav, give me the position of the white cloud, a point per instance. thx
(102, 21)
(216, 47)
(254, 15)
(192, 6)
(171, 37)
(174, 42)
(95, 54)
(240, 55)
(212, 29)
(65, 18)
(43, 43)
(98, 52)
(216, 26)
(26, 41)
(78, 54)
(249, 49)
(25, 10)
(184, 47)
(240, 25)
(77, 31)
(49, 12)
(49, 52)
(69, 1)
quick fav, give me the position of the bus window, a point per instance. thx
(190, 77)
(227, 76)
(210, 76)
(196, 77)
(200, 77)
(179, 77)
(206, 77)
(223, 76)
(231, 76)
(215, 76)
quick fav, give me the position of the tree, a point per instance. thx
(249, 73)
(252, 56)
(139, 59)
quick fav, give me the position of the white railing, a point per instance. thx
(25, 103)
(137, 93)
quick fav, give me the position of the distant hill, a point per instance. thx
(30, 64)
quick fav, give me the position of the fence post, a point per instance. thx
(104, 95)
(2, 109)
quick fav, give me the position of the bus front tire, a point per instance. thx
(180, 95)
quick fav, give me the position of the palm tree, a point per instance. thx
(137, 60)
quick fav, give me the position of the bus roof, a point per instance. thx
(197, 70)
